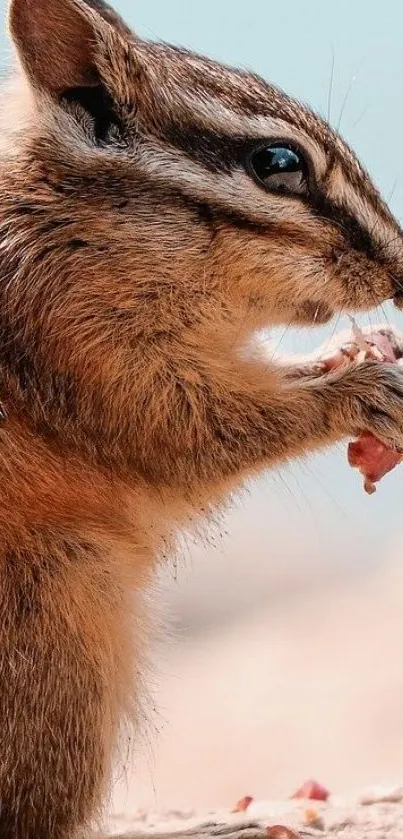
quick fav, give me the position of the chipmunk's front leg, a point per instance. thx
(231, 427)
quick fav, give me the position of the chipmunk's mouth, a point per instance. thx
(314, 313)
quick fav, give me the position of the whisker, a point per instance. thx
(315, 317)
(333, 332)
(302, 494)
(280, 476)
(392, 191)
(360, 118)
(344, 102)
(281, 339)
(314, 474)
(393, 239)
(370, 326)
(385, 314)
(330, 93)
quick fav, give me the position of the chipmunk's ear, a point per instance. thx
(60, 42)
(111, 16)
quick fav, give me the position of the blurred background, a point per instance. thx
(281, 654)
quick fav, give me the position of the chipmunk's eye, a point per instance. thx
(280, 167)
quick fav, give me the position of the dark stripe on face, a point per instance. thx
(223, 153)
(358, 235)
(217, 152)
(212, 215)
(358, 178)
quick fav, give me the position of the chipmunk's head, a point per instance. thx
(153, 188)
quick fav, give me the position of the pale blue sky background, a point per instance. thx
(295, 44)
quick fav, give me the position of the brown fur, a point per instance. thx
(135, 267)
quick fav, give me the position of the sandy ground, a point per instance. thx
(373, 815)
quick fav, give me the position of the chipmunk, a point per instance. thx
(157, 209)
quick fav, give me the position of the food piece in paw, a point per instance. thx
(368, 454)
(378, 344)
(373, 458)
(375, 346)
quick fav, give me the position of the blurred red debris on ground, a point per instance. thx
(313, 790)
(280, 832)
(243, 804)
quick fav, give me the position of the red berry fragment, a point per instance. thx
(370, 456)
(312, 790)
(280, 832)
(243, 804)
